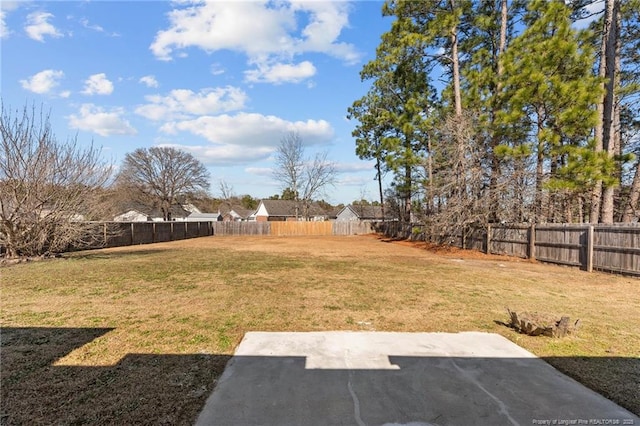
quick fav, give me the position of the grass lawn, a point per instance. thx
(140, 334)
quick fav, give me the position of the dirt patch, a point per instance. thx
(449, 251)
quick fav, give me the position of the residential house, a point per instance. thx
(234, 214)
(140, 213)
(203, 217)
(359, 213)
(287, 210)
(132, 216)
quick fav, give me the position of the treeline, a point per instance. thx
(505, 111)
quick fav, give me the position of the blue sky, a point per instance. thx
(224, 80)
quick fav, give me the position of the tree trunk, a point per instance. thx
(455, 66)
(166, 210)
(611, 111)
(431, 192)
(503, 36)
(496, 139)
(600, 132)
(457, 100)
(407, 193)
(596, 195)
(379, 176)
(539, 170)
(632, 209)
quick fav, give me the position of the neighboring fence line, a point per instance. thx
(117, 234)
(279, 229)
(610, 248)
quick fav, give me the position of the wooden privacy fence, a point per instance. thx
(116, 234)
(610, 248)
(292, 228)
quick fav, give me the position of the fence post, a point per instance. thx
(131, 233)
(104, 233)
(488, 251)
(532, 242)
(589, 264)
(171, 232)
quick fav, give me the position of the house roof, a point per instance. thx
(366, 212)
(203, 216)
(176, 211)
(287, 208)
(239, 210)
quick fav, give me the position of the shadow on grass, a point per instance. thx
(139, 389)
(131, 251)
(616, 378)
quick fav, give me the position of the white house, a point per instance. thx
(132, 216)
(357, 213)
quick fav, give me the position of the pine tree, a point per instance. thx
(551, 92)
(392, 115)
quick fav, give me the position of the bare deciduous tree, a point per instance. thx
(226, 190)
(158, 176)
(457, 181)
(289, 164)
(305, 178)
(47, 189)
(318, 174)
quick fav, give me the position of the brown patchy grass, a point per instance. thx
(140, 334)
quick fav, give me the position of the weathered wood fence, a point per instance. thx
(116, 234)
(292, 228)
(611, 248)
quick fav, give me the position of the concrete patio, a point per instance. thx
(412, 379)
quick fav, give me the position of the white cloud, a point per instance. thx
(42, 82)
(183, 103)
(225, 154)
(363, 166)
(217, 69)
(4, 30)
(149, 81)
(85, 23)
(354, 180)
(98, 84)
(95, 119)
(271, 36)
(251, 130)
(9, 5)
(38, 26)
(245, 137)
(224, 25)
(594, 11)
(97, 28)
(326, 21)
(259, 171)
(281, 73)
